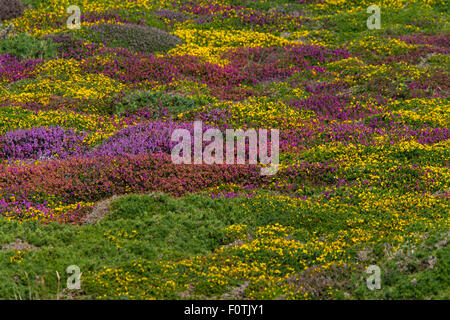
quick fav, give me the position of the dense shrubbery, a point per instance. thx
(136, 37)
(147, 138)
(28, 47)
(174, 104)
(68, 47)
(98, 177)
(10, 9)
(41, 143)
(13, 68)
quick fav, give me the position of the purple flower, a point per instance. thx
(42, 143)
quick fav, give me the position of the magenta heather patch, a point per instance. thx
(13, 68)
(331, 107)
(71, 48)
(42, 143)
(147, 138)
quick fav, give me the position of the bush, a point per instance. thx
(174, 104)
(151, 137)
(72, 48)
(136, 37)
(10, 9)
(28, 47)
(41, 143)
(13, 69)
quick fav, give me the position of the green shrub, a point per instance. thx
(28, 47)
(10, 9)
(136, 37)
(174, 104)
